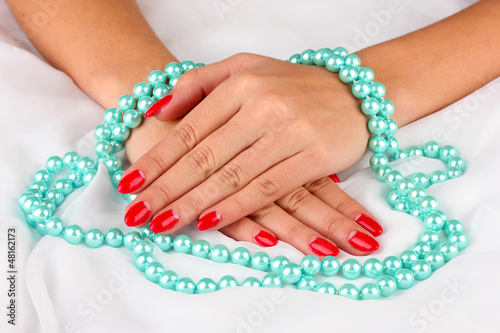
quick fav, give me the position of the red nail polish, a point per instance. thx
(164, 221)
(137, 214)
(362, 241)
(158, 106)
(131, 182)
(263, 238)
(209, 221)
(369, 224)
(335, 178)
(322, 247)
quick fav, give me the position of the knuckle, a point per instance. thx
(267, 188)
(347, 205)
(238, 207)
(264, 212)
(293, 232)
(185, 136)
(231, 175)
(295, 200)
(156, 162)
(195, 202)
(318, 185)
(162, 192)
(331, 226)
(202, 160)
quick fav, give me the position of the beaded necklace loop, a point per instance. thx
(407, 194)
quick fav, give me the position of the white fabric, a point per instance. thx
(66, 288)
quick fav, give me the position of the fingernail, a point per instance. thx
(335, 178)
(264, 238)
(164, 221)
(209, 221)
(362, 241)
(322, 247)
(137, 214)
(158, 106)
(131, 182)
(369, 224)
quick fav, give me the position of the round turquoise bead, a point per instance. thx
(35, 192)
(377, 144)
(168, 280)
(251, 282)
(142, 246)
(330, 266)
(291, 273)
(349, 290)
(120, 132)
(84, 164)
(311, 265)
(403, 186)
(54, 226)
(144, 103)
(404, 278)
(348, 74)
(173, 80)
(182, 244)
(102, 132)
(415, 151)
(420, 179)
(369, 291)
(416, 194)
(421, 248)
(164, 242)
(391, 265)
(241, 256)
(114, 237)
(188, 65)
(294, 59)
(387, 285)
(435, 258)
(431, 149)
(22, 198)
(88, 176)
(260, 261)
(360, 89)
(306, 57)
(173, 69)
(201, 249)
(352, 60)
(400, 154)
(143, 260)
(460, 239)
(402, 205)
(29, 203)
(117, 176)
(392, 178)
(421, 269)
(434, 221)
(126, 102)
(29, 221)
(393, 197)
(227, 281)
(453, 173)
(373, 268)
(438, 177)
(370, 106)
(277, 264)
(50, 204)
(377, 90)
(117, 145)
(320, 56)
(453, 225)
(431, 237)
(428, 204)
(351, 269)
(340, 51)
(94, 238)
(334, 62)
(103, 149)
(54, 164)
(41, 212)
(392, 146)
(43, 176)
(147, 233)
(55, 195)
(448, 249)
(132, 118)
(447, 152)
(161, 91)
(206, 285)
(70, 160)
(153, 271)
(157, 77)
(392, 127)
(76, 178)
(366, 74)
(185, 285)
(272, 280)
(326, 288)
(307, 282)
(377, 125)
(408, 257)
(382, 172)
(73, 234)
(457, 162)
(113, 164)
(131, 238)
(40, 227)
(386, 108)
(112, 116)
(220, 253)
(378, 160)
(142, 89)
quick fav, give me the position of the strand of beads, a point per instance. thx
(41, 200)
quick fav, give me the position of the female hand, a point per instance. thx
(317, 219)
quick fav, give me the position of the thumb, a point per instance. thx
(196, 84)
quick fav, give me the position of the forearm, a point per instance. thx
(104, 46)
(433, 67)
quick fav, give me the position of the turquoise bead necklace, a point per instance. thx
(441, 241)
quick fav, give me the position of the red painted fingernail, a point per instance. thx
(362, 241)
(164, 221)
(137, 214)
(322, 247)
(335, 178)
(131, 182)
(369, 224)
(209, 221)
(264, 238)
(158, 106)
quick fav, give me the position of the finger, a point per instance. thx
(250, 231)
(335, 197)
(319, 216)
(196, 84)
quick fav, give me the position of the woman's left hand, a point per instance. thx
(263, 128)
